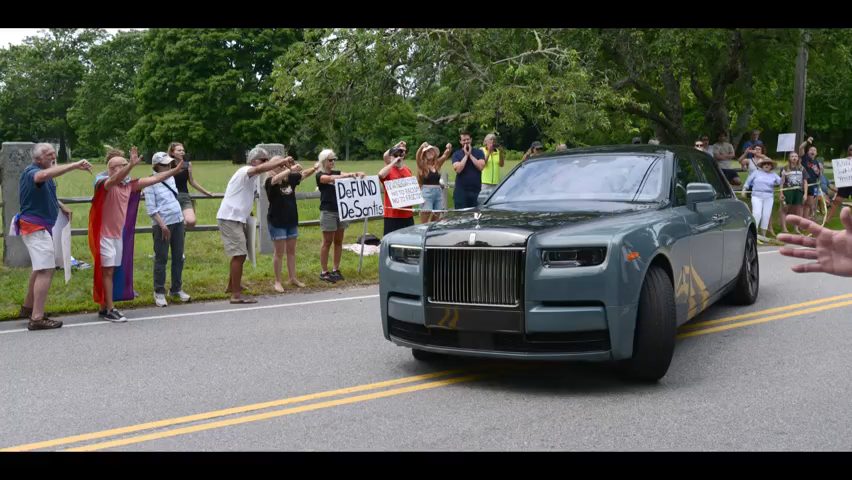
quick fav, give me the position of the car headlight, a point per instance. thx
(573, 257)
(405, 254)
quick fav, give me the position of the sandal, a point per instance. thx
(26, 313)
(243, 301)
(43, 323)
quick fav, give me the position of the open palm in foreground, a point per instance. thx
(832, 249)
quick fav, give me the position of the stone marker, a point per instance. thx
(266, 245)
(14, 158)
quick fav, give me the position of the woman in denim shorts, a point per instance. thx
(283, 216)
(429, 176)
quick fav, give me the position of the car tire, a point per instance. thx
(655, 331)
(748, 282)
(424, 356)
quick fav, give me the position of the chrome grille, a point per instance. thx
(471, 276)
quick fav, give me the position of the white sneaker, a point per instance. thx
(184, 297)
(161, 300)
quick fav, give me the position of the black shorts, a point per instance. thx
(844, 192)
(394, 224)
(730, 174)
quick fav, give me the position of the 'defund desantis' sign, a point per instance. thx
(359, 198)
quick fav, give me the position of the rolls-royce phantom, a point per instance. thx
(595, 254)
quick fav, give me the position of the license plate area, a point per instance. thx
(474, 319)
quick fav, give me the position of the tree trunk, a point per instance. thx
(61, 156)
(799, 91)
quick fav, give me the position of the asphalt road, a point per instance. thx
(313, 372)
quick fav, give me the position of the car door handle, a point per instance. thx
(720, 218)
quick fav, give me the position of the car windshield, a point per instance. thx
(614, 177)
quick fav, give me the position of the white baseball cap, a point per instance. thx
(161, 158)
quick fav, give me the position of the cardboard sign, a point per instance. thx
(62, 244)
(786, 142)
(404, 192)
(842, 172)
(359, 198)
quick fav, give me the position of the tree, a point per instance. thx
(39, 80)
(210, 88)
(104, 110)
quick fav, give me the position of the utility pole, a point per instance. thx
(799, 90)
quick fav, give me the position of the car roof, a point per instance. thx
(662, 150)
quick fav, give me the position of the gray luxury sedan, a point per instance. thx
(594, 254)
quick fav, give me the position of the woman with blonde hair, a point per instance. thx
(330, 225)
(429, 177)
(176, 151)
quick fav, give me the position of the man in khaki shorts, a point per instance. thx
(39, 209)
(234, 212)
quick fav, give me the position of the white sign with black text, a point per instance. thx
(359, 198)
(842, 172)
(786, 142)
(404, 192)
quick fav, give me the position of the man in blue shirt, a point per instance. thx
(751, 143)
(34, 223)
(468, 163)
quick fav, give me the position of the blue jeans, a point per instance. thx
(465, 198)
(433, 198)
(283, 233)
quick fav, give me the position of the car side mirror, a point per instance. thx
(699, 193)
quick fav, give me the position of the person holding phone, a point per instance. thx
(395, 169)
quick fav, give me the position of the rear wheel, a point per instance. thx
(424, 356)
(748, 282)
(656, 327)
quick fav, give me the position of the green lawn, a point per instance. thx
(206, 270)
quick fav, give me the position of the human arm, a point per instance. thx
(479, 163)
(783, 179)
(266, 166)
(195, 184)
(387, 168)
(724, 156)
(281, 176)
(805, 196)
(120, 175)
(448, 152)
(418, 157)
(307, 173)
(53, 172)
(803, 145)
(328, 178)
(154, 179)
(386, 155)
(832, 249)
(502, 157)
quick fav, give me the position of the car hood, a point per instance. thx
(510, 225)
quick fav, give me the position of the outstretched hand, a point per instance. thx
(135, 158)
(832, 249)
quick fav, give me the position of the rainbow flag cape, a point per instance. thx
(122, 287)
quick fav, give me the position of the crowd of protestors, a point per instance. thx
(172, 211)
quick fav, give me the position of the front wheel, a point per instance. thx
(656, 327)
(748, 281)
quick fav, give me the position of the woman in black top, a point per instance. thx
(283, 216)
(183, 178)
(429, 176)
(331, 226)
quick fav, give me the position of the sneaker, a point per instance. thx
(43, 323)
(160, 299)
(115, 316)
(184, 297)
(335, 274)
(327, 277)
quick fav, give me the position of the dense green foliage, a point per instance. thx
(221, 91)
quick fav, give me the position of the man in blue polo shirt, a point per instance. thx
(752, 142)
(468, 163)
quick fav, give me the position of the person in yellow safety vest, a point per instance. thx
(494, 159)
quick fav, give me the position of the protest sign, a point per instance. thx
(404, 192)
(786, 142)
(842, 172)
(359, 198)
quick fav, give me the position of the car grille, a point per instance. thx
(564, 342)
(475, 276)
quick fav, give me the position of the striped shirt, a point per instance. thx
(159, 199)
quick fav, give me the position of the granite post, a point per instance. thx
(14, 158)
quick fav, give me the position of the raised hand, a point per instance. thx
(832, 249)
(178, 166)
(135, 158)
(84, 165)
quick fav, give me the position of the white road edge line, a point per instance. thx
(776, 251)
(210, 312)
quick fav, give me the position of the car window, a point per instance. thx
(685, 175)
(613, 177)
(708, 168)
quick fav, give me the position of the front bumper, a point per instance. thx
(576, 333)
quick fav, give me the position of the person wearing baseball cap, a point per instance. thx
(162, 205)
(535, 149)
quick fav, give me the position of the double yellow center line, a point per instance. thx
(122, 436)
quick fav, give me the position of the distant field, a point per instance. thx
(206, 270)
